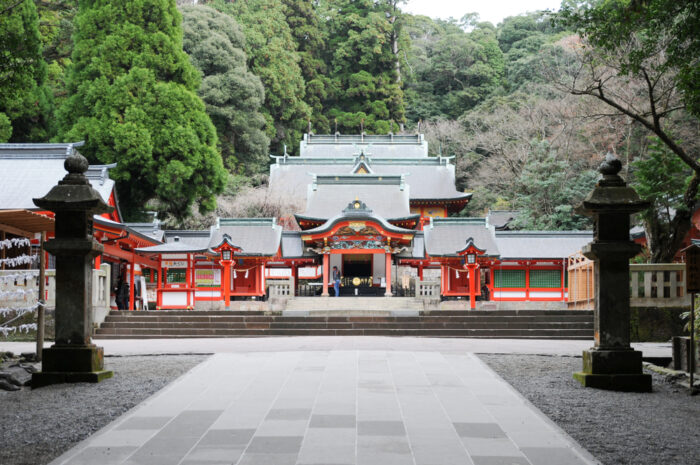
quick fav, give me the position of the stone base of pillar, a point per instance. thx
(615, 370)
(71, 364)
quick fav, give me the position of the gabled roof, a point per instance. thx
(357, 211)
(116, 226)
(445, 237)
(501, 219)
(29, 171)
(255, 236)
(541, 244)
(388, 196)
(149, 229)
(293, 246)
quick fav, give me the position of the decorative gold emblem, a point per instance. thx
(356, 281)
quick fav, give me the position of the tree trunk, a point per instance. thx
(665, 240)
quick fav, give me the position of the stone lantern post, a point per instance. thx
(73, 358)
(611, 363)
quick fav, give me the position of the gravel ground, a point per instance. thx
(662, 427)
(37, 426)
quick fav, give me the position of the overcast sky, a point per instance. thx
(489, 10)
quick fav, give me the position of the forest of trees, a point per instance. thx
(191, 99)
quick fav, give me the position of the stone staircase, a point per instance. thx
(356, 306)
(531, 324)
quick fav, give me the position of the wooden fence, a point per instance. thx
(651, 285)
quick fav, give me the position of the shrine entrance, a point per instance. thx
(358, 276)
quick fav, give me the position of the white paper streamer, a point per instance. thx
(17, 261)
(14, 242)
(4, 278)
(16, 293)
(5, 330)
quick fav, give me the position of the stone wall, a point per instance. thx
(651, 324)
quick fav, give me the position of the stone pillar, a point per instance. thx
(73, 358)
(611, 363)
(326, 265)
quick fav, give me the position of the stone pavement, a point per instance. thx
(266, 344)
(336, 406)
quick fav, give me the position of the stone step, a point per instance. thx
(356, 324)
(444, 332)
(481, 324)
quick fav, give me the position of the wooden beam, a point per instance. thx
(16, 231)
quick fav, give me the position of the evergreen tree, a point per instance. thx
(233, 95)
(132, 99)
(25, 102)
(548, 190)
(310, 36)
(272, 56)
(365, 38)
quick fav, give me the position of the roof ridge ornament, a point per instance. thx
(357, 208)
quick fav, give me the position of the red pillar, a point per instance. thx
(388, 274)
(98, 262)
(159, 291)
(295, 277)
(420, 272)
(227, 284)
(262, 279)
(472, 286)
(131, 284)
(326, 265)
(527, 282)
(442, 280)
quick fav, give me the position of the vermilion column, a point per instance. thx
(131, 285)
(227, 284)
(388, 274)
(326, 265)
(472, 286)
(159, 290)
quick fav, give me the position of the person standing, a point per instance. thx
(336, 281)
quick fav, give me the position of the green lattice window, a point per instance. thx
(509, 278)
(176, 275)
(545, 278)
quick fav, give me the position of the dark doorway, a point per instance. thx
(357, 276)
(359, 265)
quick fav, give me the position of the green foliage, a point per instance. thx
(548, 190)
(272, 57)
(364, 38)
(132, 100)
(24, 98)
(310, 36)
(5, 128)
(660, 178)
(233, 95)
(454, 70)
(648, 29)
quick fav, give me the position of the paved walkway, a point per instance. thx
(266, 344)
(326, 407)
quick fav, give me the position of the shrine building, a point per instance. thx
(376, 208)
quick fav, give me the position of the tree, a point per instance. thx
(310, 35)
(132, 99)
(548, 190)
(641, 59)
(232, 94)
(25, 100)
(363, 48)
(272, 56)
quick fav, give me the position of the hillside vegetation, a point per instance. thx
(191, 99)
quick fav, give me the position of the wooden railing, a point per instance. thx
(658, 285)
(581, 282)
(651, 285)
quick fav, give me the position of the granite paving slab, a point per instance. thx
(334, 407)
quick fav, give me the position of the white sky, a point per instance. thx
(489, 10)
